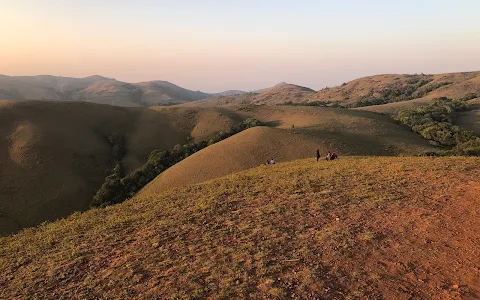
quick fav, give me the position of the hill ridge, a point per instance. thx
(370, 91)
(100, 89)
(361, 92)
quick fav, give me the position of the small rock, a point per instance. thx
(337, 219)
(455, 286)
(155, 245)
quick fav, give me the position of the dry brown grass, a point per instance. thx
(276, 95)
(354, 91)
(393, 108)
(346, 132)
(162, 92)
(109, 92)
(462, 85)
(54, 156)
(377, 228)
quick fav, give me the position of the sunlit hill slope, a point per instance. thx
(391, 228)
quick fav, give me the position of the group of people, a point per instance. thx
(330, 155)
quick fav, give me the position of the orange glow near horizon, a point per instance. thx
(211, 58)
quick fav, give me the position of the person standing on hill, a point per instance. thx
(318, 155)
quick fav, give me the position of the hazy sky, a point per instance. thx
(218, 45)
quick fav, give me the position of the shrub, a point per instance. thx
(312, 103)
(470, 96)
(471, 147)
(117, 142)
(111, 191)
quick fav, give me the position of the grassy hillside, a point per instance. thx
(382, 89)
(110, 92)
(394, 108)
(366, 91)
(54, 156)
(346, 132)
(238, 92)
(390, 228)
(164, 92)
(381, 93)
(165, 127)
(276, 95)
(245, 150)
(43, 87)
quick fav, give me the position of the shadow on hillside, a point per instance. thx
(363, 113)
(273, 123)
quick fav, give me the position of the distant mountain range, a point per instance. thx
(380, 92)
(102, 90)
(376, 91)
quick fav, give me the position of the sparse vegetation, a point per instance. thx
(332, 104)
(285, 231)
(425, 89)
(416, 86)
(470, 96)
(369, 102)
(312, 103)
(362, 92)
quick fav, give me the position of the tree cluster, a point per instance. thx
(413, 88)
(117, 189)
(434, 122)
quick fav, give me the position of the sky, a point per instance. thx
(214, 45)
